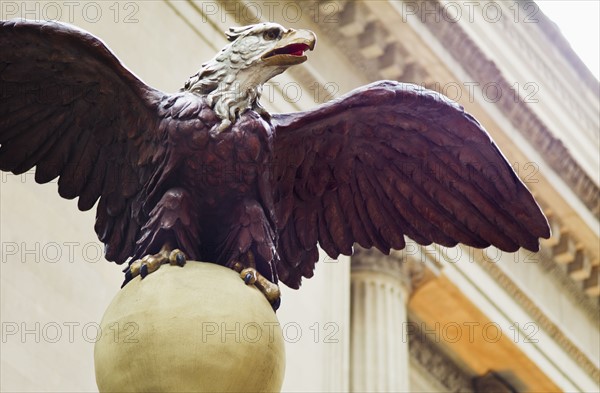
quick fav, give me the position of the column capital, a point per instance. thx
(395, 265)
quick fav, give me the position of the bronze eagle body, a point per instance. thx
(207, 174)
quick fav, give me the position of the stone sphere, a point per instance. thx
(196, 328)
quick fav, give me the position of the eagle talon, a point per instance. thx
(177, 257)
(276, 303)
(151, 263)
(144, 271)
(249, 276)
(134, 269)
(268, 289)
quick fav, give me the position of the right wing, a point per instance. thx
(387, 160)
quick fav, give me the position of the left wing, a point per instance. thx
(72, 110)
(388, 160)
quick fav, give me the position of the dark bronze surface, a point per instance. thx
(383, 161)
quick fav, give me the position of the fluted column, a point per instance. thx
(378, 348)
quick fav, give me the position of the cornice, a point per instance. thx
(368, 45)
(349, 31)
(436, 363)
(554, 35)
(460, 45)
(533, 43)
(354, 20)
(560, 274)
(385, 58)
(571, 267)
(492, 382)
(540, 318)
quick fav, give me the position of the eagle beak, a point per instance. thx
(290, 49)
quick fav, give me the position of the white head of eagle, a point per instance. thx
(233, 79)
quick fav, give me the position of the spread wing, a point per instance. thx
(389, 160)
(72, 110)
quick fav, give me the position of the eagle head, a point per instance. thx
(232, 81)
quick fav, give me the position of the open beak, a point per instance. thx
(291, 47)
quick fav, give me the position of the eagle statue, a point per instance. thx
(208, 174)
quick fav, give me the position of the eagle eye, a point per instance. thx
(271, 34)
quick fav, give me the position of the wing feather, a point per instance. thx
(325, 239)
(389, 160)
(51, 165)
(93, 187)
(70, 109)
(349, 213)
(340, 231)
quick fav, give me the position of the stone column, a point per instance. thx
(380, 286)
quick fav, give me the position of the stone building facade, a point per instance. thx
(424, 319)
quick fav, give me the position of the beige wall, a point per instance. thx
(163, 43)
(63, 285)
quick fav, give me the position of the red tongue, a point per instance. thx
(296, 49)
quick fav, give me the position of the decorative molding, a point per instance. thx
(551, 75)
(460, 45)
(492, 382)
(474, 61)
(540, 318)
(555, 36)
(437, 364)
(588, 302)
(570, 266)
(396, 62)
(367, 45)
(591, 285)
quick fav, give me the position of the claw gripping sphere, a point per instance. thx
(196, 328)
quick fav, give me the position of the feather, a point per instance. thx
(72, 101)
(411, 162)
(338, 229)
(381, 162)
